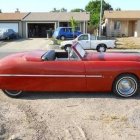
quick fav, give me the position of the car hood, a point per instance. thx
(113, 56)
(16, 58)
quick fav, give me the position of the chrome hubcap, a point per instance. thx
(127, 86)
(62, 38)
(102, 49)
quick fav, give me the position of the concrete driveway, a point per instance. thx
(25, 45)
(22, 45)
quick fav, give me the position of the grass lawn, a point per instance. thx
(128, 43)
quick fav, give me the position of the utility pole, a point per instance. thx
(101, 11)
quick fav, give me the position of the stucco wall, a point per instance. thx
(24, 29)
(124, 28)
(108, 26)
(20, 29)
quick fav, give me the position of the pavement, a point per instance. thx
(25, 45)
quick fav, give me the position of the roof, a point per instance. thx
(58, 16)
(122, 14)
(12, 16)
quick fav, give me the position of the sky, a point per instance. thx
(48, 5)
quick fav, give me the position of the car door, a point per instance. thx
(59, 73)
(94, 42)
(69, 33)
(64, 76)
(98, 76)
(84, 41)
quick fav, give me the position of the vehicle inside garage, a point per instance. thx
(13, 26)
(40, 30)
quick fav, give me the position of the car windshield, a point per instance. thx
(80, 50)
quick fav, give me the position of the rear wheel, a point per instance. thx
(101, 48)
(13, 93)
(126, 85)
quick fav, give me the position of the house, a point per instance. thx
(37, 24)
(31, 25)
(122, 23)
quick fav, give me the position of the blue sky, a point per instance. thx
(47, 5)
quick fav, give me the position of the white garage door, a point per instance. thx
(13, 26)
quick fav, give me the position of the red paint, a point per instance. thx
(112, 57)
(108, 65)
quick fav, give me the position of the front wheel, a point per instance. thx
(7, 38)
(62, 38)
(13, 93)
(126, 85)
(101, 48)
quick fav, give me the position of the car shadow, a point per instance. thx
(68, 95)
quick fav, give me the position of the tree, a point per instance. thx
(54, 10)
(74, 24)
(94, 8)
(118, 9)
(77, 10)
(0, 11)
(63, 10)
(57, 10)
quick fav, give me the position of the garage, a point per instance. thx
(13, 26)
(40, 30)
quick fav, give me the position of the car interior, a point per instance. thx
(51, 55)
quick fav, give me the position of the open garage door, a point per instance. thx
(40, 30)
(13, 26)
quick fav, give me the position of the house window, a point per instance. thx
(117, 25)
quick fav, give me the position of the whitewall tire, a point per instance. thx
(13, 93)
(126, 85)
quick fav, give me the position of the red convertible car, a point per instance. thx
(76, 70)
